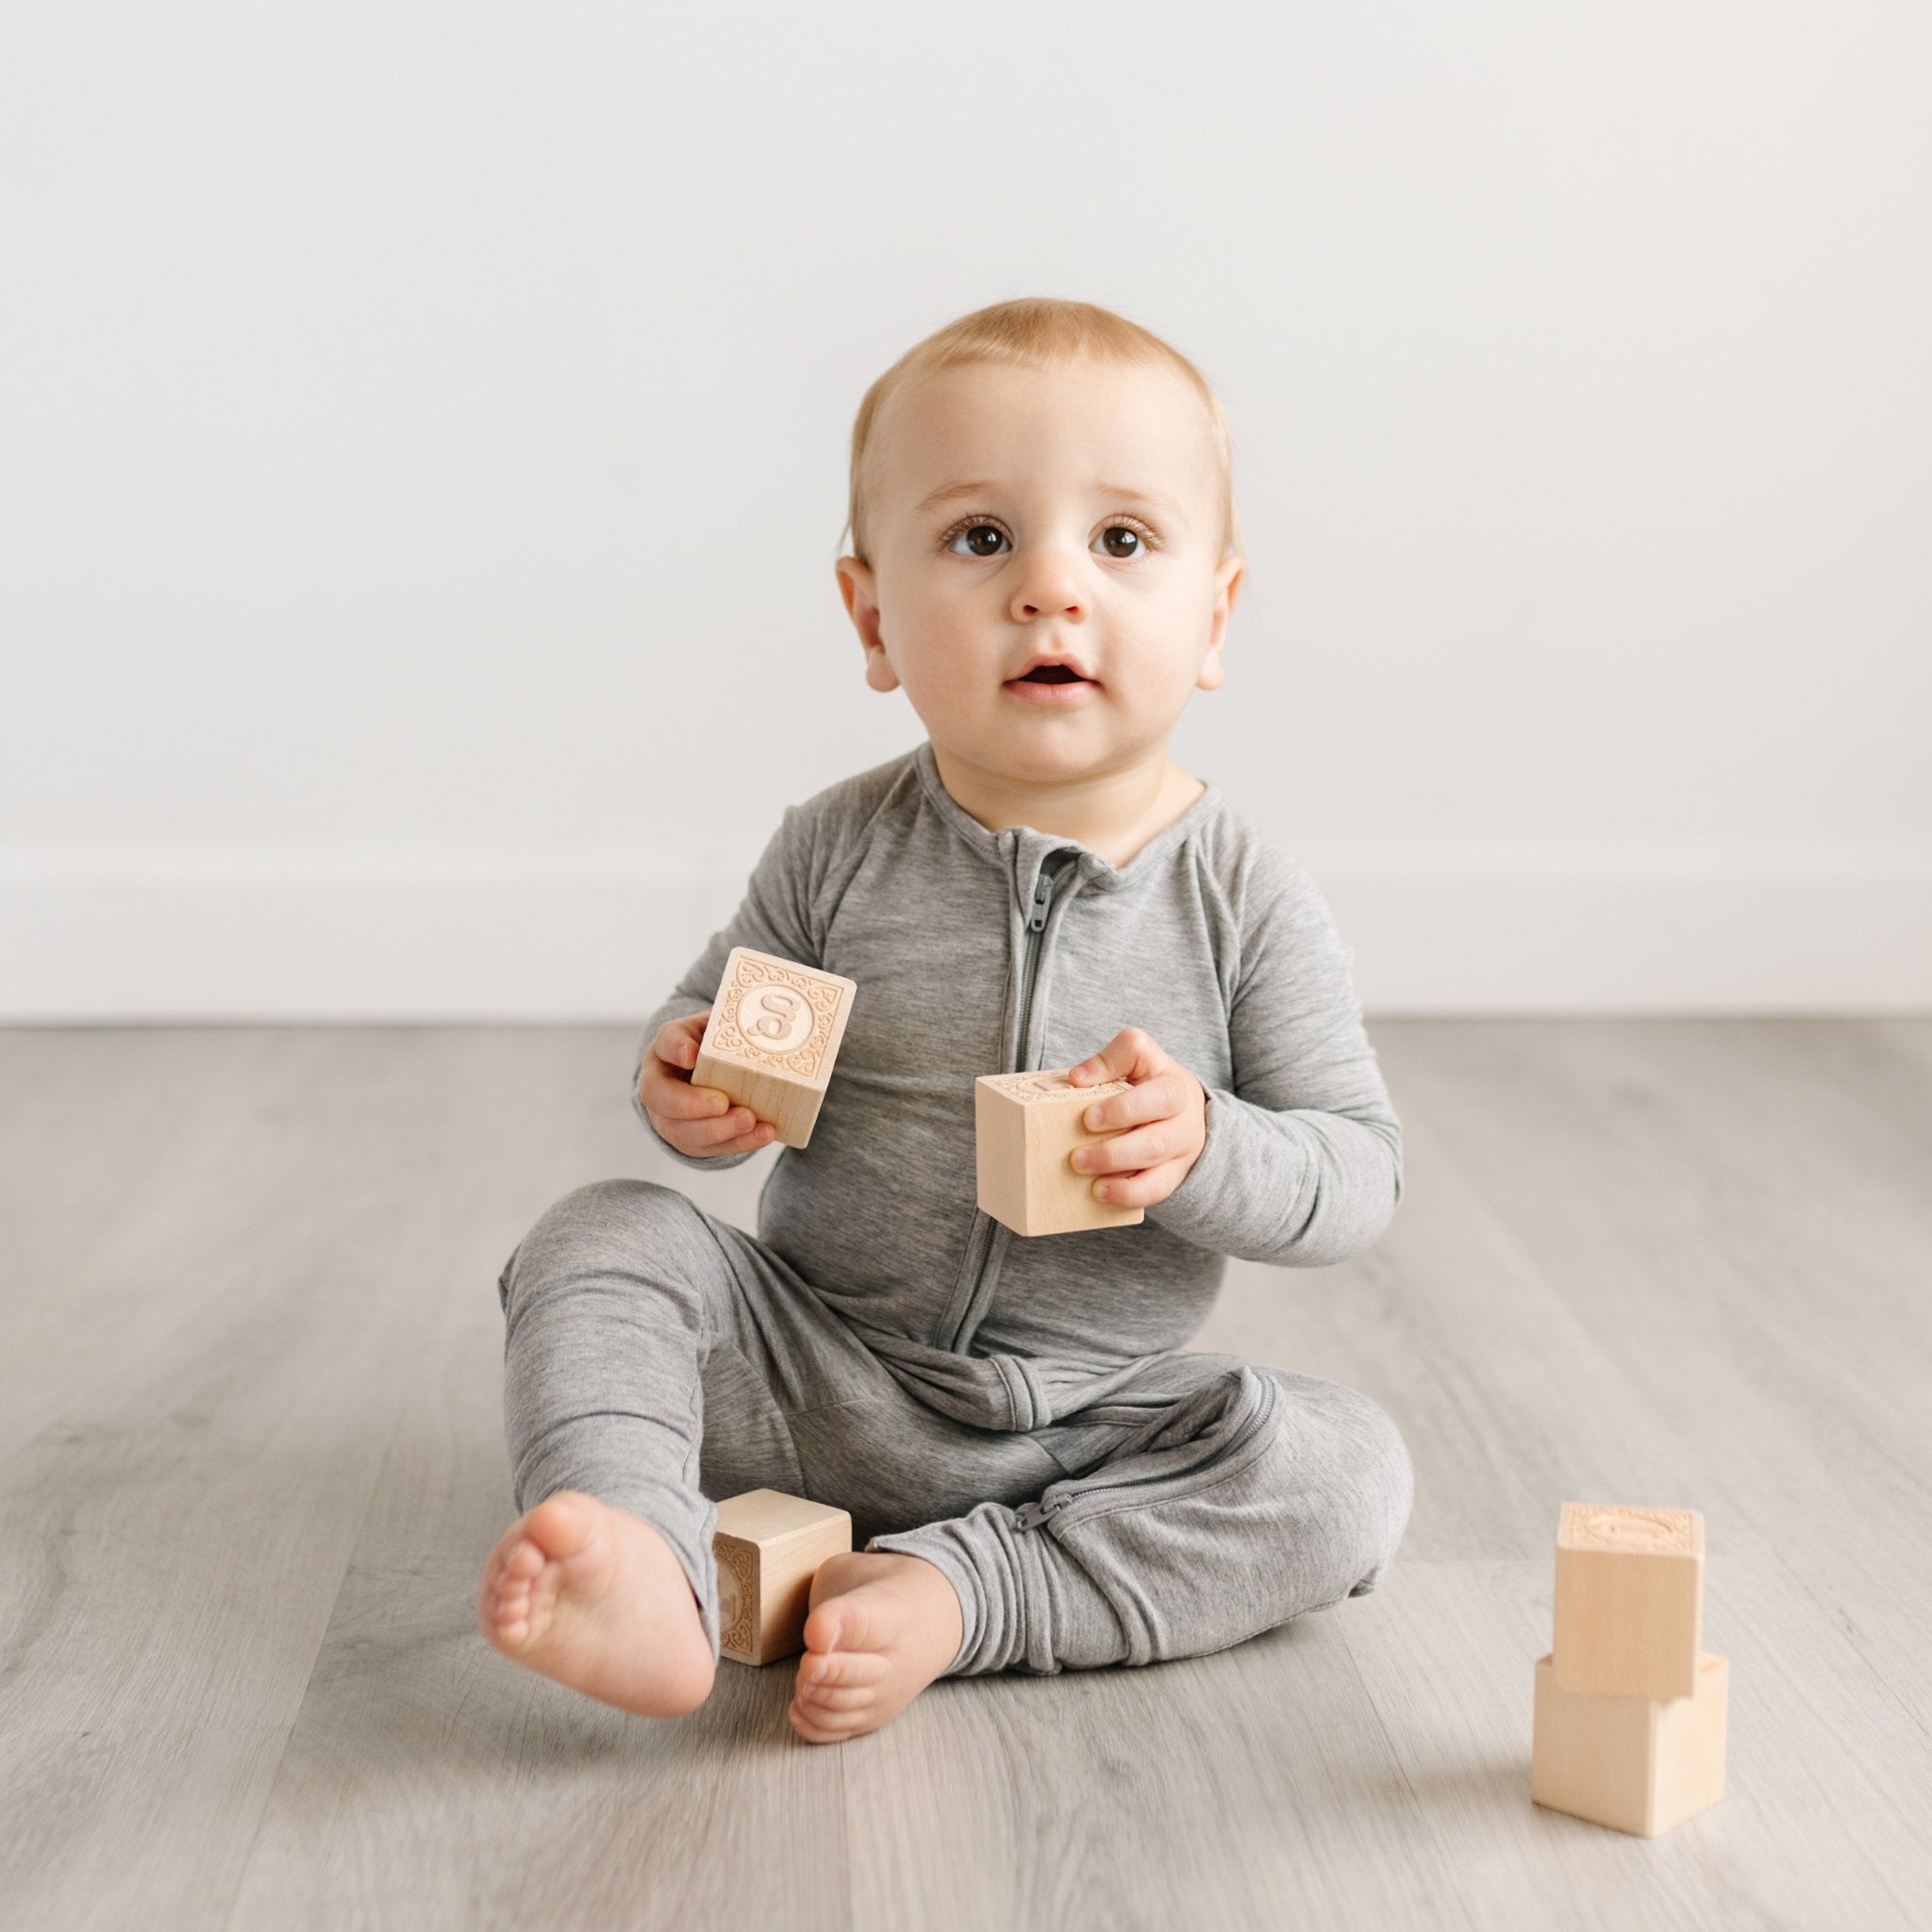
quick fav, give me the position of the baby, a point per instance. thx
(1044, 556)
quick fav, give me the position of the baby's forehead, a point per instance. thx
(1084, 384)
(1132, 424)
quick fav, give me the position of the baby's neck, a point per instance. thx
(1113, 815)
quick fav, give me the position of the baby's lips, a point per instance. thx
(1079, 673)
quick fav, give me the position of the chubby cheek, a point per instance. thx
(945, 656)
(1152, 679)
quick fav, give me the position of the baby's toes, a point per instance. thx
(841, 1669)
(505, 1574)
(500, 1582)
(829, 1683)
(818, 1702)
(504, 1619)
(812, 1733)
(521, 1561)
(519, 1586)
(819, 1726)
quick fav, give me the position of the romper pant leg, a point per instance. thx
(1207, 1501)
(654, 1357)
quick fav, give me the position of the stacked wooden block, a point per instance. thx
(1630, 1711)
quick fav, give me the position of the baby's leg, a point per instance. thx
(1258, 1496)
(612, 1305)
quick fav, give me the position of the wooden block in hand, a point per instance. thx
(1637, 1764)
(769, 1546)
(1025, 1127)
(771, 1037)
(1629, 1600)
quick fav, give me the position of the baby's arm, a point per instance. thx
(774, 917)
(1303, 1160)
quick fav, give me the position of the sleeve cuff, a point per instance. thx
(1214, 1203)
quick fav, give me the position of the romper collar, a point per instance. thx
(1025, 850)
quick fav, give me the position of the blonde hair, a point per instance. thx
(1038, 332)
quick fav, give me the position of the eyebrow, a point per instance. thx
(952, 492)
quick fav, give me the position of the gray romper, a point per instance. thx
(1018, 1411)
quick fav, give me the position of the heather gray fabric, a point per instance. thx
(1020, 1413)
(661, 1358)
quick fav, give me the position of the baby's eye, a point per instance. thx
(974, 530)
(977, 536)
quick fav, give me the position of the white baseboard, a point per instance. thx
(93, 934)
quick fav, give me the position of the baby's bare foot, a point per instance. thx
(596, 1598)
(883, 1626)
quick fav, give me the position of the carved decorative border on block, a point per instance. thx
(1029, 1089)
(1623, 1526)
(735, 1595)
(804, 1059)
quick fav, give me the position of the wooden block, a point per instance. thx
(1629, 1600)
(1025, 1127)
(771, 1037)
(1637, 1764)
(769, 1546)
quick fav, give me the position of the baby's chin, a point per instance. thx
(1049, 755)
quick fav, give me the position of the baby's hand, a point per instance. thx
(1166, 1107)
(698, 1121)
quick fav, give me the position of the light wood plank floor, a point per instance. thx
(252, 1461)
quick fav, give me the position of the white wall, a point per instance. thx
(422, 458)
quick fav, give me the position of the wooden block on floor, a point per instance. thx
(769, 1546)
(771, 1037)
(1637, 1764)
(1025, 1127)
(1629, 1600)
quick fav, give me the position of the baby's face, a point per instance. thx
(1090, 533)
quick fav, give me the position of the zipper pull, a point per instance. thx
(1043, 898)
(1034, 1514)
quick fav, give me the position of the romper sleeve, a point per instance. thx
(774, 917)
(1303, 1161)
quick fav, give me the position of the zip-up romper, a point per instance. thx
(1021, 1412)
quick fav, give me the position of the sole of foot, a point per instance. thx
(882, 1626)
(596, 1597)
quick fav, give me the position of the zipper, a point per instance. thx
(1035, 925)
(1033, 1514)
(984, 1229)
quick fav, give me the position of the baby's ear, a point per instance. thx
(1226, 582)
(856, 586)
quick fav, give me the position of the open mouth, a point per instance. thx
(1053, 685)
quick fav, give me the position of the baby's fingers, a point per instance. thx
(678, 1099)
(738, 1131)
(716, 1119)
(761, 1134)
(676, 1043)
(666, 1088)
